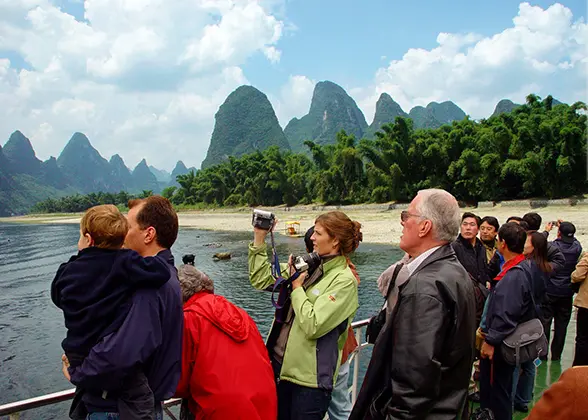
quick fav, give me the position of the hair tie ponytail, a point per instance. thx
(358, 235)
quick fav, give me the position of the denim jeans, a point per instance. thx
(340, 406)
(103, 416)
(115, 416)
(523, 382)
(297, 402)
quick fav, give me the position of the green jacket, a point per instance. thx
(322, 315)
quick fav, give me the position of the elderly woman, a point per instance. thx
(226, 371)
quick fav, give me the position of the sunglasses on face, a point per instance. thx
(405, 215)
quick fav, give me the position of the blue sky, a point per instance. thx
(345, 40)
(144, 78)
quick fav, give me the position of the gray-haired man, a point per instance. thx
(421, 363)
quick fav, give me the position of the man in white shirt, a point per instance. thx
(421, 363)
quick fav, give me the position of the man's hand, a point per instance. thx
(259, 235)
(487, 351)
(64, 366)
(299, 281)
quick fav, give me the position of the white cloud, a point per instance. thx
(272, 54)
(142, 78)
(293, 99)
(544, 52)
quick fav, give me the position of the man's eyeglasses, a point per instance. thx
(405, 215)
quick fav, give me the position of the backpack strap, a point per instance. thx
(527, 276)
(393, 279)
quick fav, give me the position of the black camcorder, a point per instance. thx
(307, 262)
(262, 219)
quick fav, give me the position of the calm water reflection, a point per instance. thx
(31, 327)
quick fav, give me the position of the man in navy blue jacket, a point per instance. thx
(510, 304)
(151, 335)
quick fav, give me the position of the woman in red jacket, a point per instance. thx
(226, 371)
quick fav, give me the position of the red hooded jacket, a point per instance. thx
(226, 371)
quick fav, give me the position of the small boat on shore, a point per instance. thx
(292, 229)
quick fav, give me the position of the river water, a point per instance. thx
(31, 327)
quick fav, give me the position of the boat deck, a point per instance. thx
(547, 373)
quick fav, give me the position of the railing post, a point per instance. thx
(356, 366)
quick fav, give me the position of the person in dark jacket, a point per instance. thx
(94, 289)
(554, 255)
(488, 231)
(422, 359)
(510, 303)
(557, 304)
(471, 253)
(532, 223)
(495, 264)
(524, 378)
(151, 334)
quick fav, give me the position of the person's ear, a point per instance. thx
(150, 235)
(89, 240)
(424, 228)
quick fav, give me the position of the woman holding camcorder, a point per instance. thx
(310, 329)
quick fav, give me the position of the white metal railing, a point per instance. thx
(13, 410)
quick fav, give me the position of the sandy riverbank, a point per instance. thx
(378, 225)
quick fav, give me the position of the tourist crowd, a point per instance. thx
(467, 318)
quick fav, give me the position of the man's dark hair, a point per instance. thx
(188, 259)
(468, 215)
(514, 235)
(533, 220)
(492, 221)
(525, 226)
(157, 212)
(514, 219)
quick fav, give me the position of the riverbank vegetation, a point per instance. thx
(537, 150)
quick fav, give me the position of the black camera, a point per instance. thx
(307, 262)
(262, 219)
(188, 259)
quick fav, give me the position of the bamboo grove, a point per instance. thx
(537, 150)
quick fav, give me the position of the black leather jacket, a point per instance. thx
(422, 360)
(473, 258)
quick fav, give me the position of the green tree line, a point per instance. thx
(537, 150)
(79, 203)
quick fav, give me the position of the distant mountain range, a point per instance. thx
(244, 123)
(25, 180)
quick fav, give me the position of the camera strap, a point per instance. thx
(281, 284)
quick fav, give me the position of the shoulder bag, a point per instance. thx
(527, 342)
